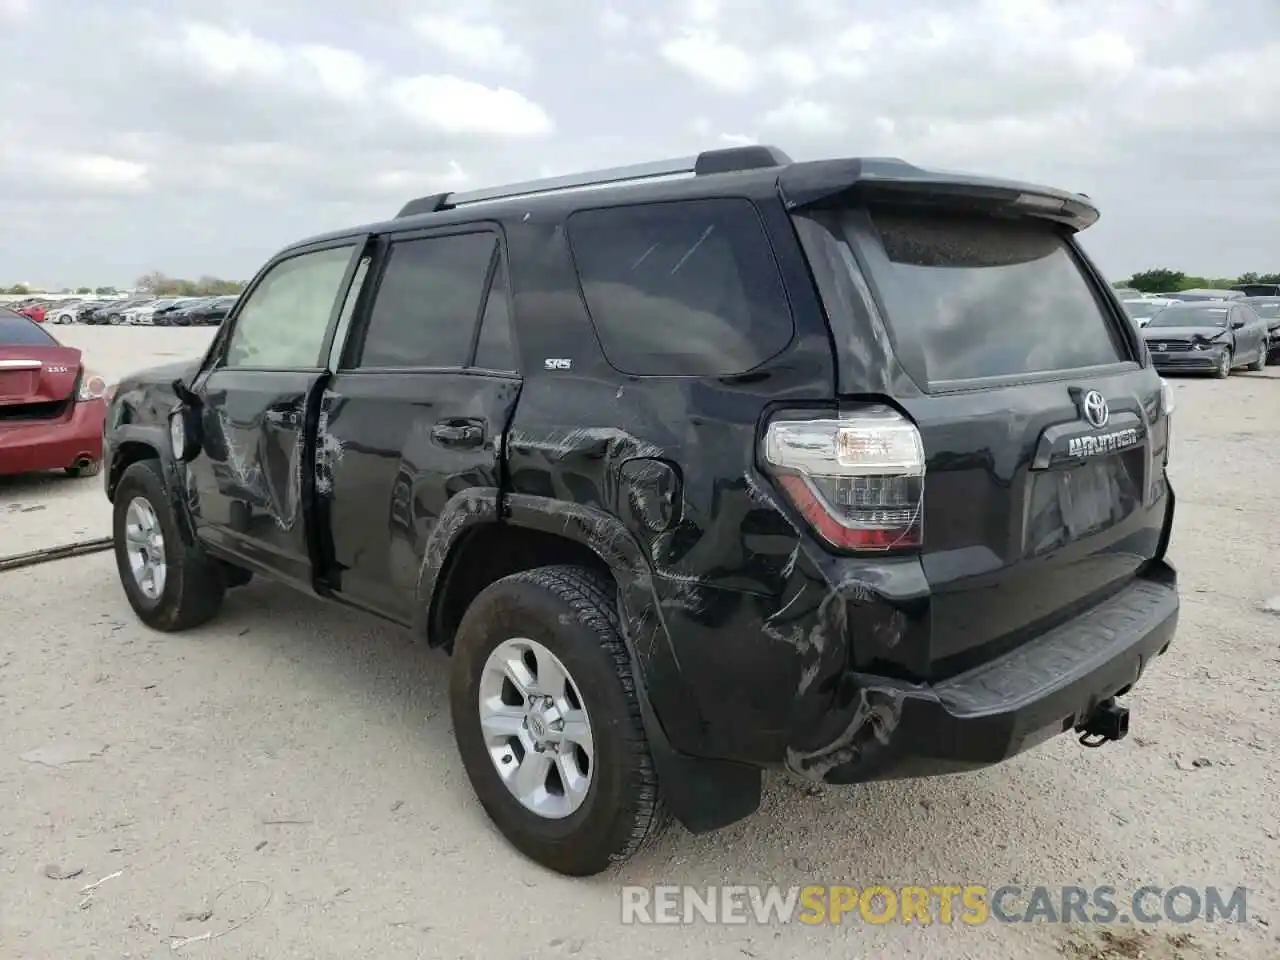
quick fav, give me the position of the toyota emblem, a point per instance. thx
(1095, 409)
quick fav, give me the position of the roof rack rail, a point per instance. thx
(726, 160)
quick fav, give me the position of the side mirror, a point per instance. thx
(1237, 324)
(184, 424)
(184, 433)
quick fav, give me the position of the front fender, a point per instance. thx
(122, 445)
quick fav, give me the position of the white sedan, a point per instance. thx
(1142, 309)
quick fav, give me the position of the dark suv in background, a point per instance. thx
(846, 466)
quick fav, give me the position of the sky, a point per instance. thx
(197, 138)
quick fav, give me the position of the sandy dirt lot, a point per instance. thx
(285, 780)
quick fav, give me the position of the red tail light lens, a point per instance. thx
(858, 480)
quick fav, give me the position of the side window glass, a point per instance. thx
(428, 302)
(682, 288)
(283, 323)
(494, 350)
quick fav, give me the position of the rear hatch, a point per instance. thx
(1043, 433)
(37, 374)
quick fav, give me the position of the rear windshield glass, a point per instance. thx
(1142, 308)
(983, 297)
(1268, 310)
(1191, 317)
(18, 331)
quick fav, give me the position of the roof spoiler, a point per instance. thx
(727, 160)
(890, 180)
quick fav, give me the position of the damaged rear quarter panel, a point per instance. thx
(739, 626)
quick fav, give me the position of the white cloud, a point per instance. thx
(475, 44)
(720, 65)
(224, 128)
(342, 74)
(804, 117)
(223, 54)
(452, 105)
(410, 183)
(16, 11)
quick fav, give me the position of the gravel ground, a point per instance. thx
(300, 756)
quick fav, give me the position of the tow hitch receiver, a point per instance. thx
(1109, 721)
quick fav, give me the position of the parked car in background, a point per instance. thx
(1258, 289)
(143, 314)
(214, 311)
(65, 312)
(1268, 308)
(52, 410)
(34, 311)
(113, 312)
(165, 310)
(1125, 293)
(1204, 294)
(1213, 336)
(180, 314)
(1142, 309)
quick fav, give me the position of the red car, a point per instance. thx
(35, 311)
(52, 410)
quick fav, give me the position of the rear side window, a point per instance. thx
(428, 302)
(982, 297)
(494, 350)
(681, 288)
(18, 331)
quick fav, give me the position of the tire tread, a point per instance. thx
(591, 597)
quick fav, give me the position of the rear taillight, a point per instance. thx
(858, 479)
(91, 387)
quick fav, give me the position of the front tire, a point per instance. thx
(170, 584)
(534, 650)
(1223, 369)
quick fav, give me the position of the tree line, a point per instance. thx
(1163, 280)
(155, 283)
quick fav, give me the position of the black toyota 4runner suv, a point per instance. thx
(697, 468)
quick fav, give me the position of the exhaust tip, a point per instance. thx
(83, 461)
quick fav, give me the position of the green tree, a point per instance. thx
(161, 285)
(1157, 280)
(105, 291)
(81, 291)
(19, 289)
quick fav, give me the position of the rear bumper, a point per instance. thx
(888, 729)
(32, 445)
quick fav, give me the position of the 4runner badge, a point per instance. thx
(1094, 410)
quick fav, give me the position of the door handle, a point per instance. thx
(455, 434)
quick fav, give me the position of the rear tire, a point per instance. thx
(192, 585)
(571, 614)
(1261, 363)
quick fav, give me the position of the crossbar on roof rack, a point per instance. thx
(727, 160)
